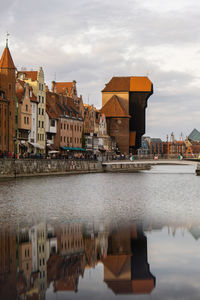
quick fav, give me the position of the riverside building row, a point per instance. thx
(36, 120)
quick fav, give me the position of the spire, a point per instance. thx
(6, 61)
(7, 39)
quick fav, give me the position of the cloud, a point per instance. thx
(90, 41)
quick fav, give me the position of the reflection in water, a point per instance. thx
(94, 241)
(33, 259)
(126, 269)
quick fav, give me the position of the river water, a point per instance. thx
(101, 236)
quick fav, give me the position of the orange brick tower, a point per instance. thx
(7, 88)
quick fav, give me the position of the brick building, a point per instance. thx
(36, 80)
(69, 123)
(124, 100)
(7, 102)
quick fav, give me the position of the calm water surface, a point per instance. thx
(101, 236)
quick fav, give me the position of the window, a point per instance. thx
(28, 120)
(43, 111)
(39, 124)
(26, 107)
(67, 126)
(39, 99)
(24, 120)
(64, 126)
(67, 139)
(64, 138)
(70, 139)
(42, 124)
(39, 110)
(53, 123)
(42, 99)
(60, 125)
(61, 138)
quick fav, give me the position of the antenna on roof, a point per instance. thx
(7, 35)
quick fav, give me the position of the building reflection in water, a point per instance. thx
(8, 264)
(33, 259)
(126, 269)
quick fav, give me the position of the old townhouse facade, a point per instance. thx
(69, 123)
(24, 116)
(36, 80)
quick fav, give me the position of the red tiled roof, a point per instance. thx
(61, 87)
(128, 84)
(29, 75)
(6, 61)
(115, 263)
(114, 108)
(50, 111)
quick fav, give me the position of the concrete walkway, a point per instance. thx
(153, 162)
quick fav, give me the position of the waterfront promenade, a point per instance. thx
(41, 167)
(153, 162)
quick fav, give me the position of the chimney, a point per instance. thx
(53, 86)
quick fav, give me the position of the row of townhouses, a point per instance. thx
(37, 121)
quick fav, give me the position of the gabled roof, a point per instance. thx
(116, 263)
(29, 75)
(114, 108)
(194, 135)
(51, 112)
(20, 90)
(129, 84)
(6, 61)
(61, 87)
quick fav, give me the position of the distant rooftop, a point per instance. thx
(194, 135)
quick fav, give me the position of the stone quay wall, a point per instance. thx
(38, 167)
(35, 167)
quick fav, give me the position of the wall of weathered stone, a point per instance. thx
(28, 167)
(35, 167)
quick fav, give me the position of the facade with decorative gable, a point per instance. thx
(36, 80)
(24, 116)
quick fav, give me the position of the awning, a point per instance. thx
(73, 148)
(52, 147)
(53, 152)
(36, 145)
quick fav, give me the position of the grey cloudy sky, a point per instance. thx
(92, 40)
